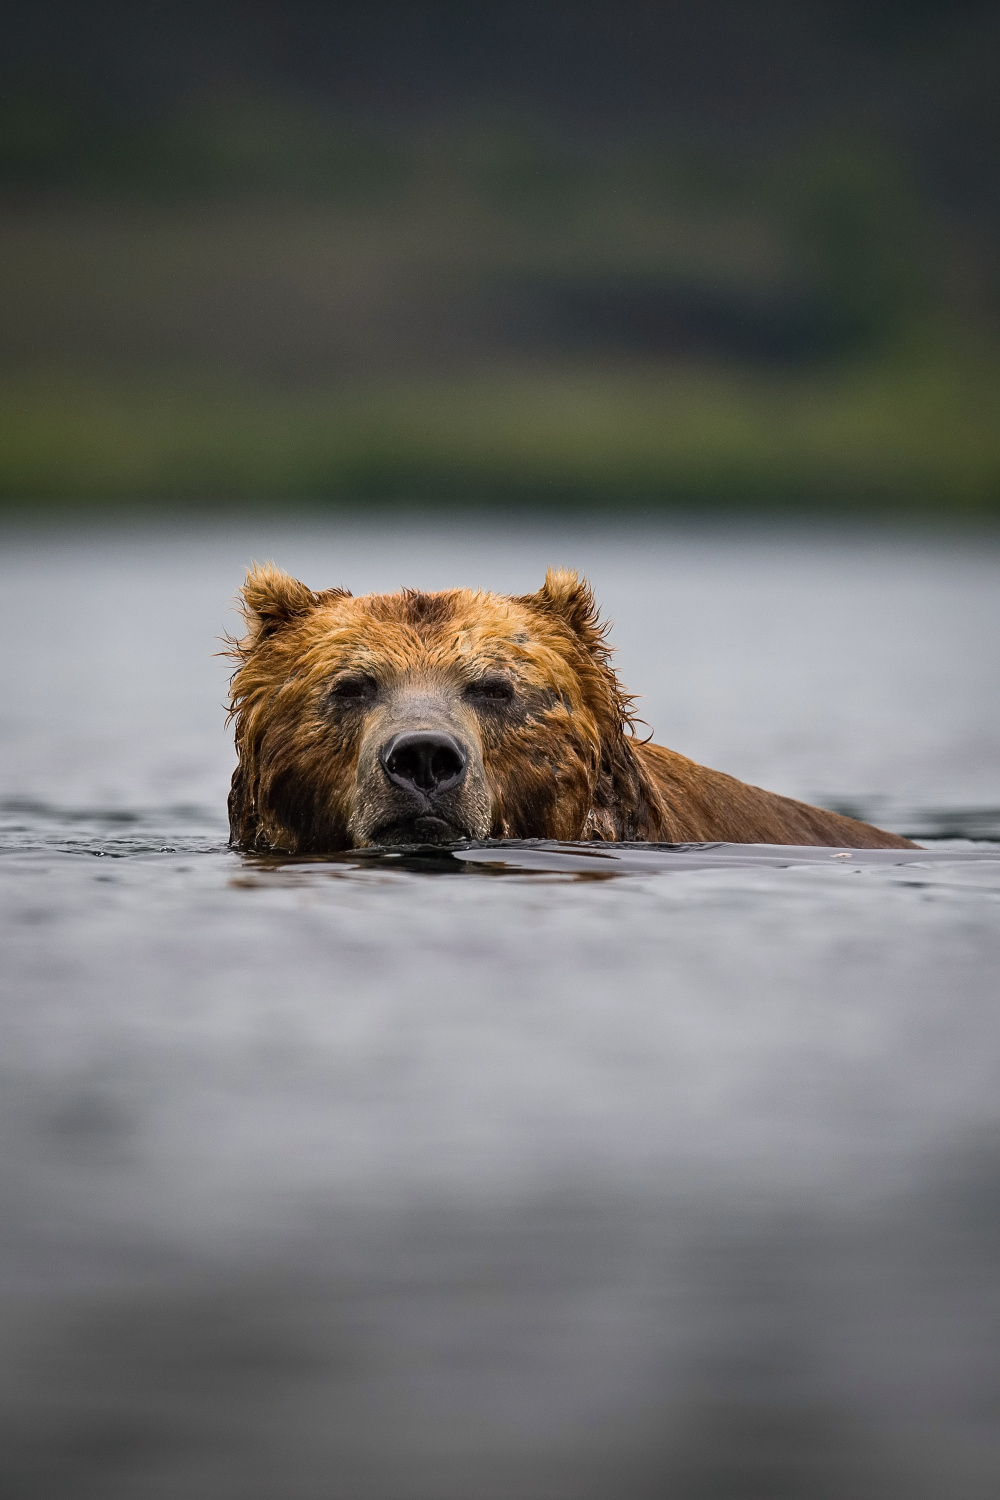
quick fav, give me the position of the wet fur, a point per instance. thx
(560, 762)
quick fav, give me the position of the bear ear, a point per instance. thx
(566, 594)
(571, 599)
(271, 599)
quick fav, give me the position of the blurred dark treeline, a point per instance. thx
(721, 253)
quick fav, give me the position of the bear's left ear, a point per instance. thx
(571, 599)
(568, 595)
(272, 599)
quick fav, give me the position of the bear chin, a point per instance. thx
(423, 830)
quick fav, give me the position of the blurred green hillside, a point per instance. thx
(250, 296)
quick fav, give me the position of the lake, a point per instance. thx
(524, 1174)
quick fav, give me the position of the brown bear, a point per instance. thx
(415, 718)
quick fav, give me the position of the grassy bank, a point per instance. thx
(919, 434)
(519, 316)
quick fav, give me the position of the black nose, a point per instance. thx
(424, 759)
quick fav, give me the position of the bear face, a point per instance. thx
(427, 718)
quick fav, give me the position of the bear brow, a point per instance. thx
(424, 609)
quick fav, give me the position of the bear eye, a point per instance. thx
(490, 690)
(354, 689)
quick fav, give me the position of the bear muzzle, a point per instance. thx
(421, 782)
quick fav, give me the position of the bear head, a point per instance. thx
(428, 718)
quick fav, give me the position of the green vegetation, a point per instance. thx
(911, 437)
(248, 300)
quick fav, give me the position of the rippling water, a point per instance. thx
(519, 1171)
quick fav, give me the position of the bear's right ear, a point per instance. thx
(271, 599)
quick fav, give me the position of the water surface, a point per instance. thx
(526, 1170)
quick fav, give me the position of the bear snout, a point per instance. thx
(424, 760)
(420, 782)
